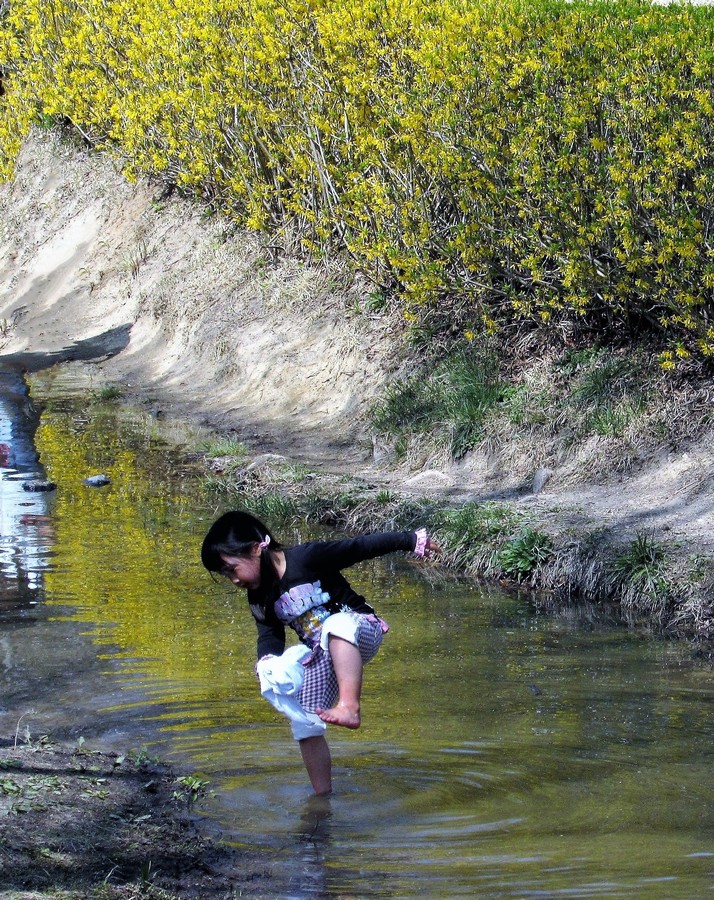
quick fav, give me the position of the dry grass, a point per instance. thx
(591, 416)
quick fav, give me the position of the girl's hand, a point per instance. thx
(432, 547)
(424, 545)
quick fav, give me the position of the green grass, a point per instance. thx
(642, 568)
(451, 399)
(109, 392)
(225, 447)
(613, 419)
(273, 506)
(642, 562)
(524, 553)
(474, 534)
(528, 410)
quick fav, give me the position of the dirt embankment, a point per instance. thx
(222, 328)
(208, 319)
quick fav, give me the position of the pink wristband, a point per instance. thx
(422, 537)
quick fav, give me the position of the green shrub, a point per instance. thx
(524, 553)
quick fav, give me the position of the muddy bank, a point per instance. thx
(81, 823)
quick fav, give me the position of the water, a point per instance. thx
(24, 520)
(505, 753)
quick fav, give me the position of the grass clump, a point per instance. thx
(604, 390)
(642, 562)
(524, 553)
(641, 569)
(225, 457)
(273, 506)
(272, 488)
(493, 540)
(474, 534)
(225, 447)
(448, 401)
(613, 419)
(109, 392)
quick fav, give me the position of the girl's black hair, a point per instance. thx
(234, 534)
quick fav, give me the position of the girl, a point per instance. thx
(320, 681)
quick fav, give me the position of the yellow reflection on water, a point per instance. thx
(126, 562)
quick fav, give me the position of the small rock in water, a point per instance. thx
(97, 480)
(38, 485)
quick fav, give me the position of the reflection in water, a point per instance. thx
(312, 845)
(505, 753)
(25, 527)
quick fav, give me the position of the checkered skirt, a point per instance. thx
(319, 690)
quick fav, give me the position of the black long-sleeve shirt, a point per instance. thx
(313, 587)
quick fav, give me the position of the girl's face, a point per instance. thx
(243, 571)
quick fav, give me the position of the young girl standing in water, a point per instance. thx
(320, 680)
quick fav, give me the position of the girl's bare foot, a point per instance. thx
(341, 714)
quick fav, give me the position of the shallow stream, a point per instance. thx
(505, 753)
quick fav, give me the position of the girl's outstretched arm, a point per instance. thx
(348, 552)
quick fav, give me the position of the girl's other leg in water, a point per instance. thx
(318, 762)
(347, 662)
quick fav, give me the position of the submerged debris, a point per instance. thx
(38, 485)
(96, 480)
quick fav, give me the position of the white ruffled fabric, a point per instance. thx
(281, 679)
(422, 538)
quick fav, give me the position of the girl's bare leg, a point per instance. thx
(347, 663)
(318, 762)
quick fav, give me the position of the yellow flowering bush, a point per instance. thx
(516, 159)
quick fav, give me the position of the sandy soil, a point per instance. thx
(205, 318)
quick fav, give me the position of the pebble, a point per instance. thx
(96, 480)
(540, 479)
